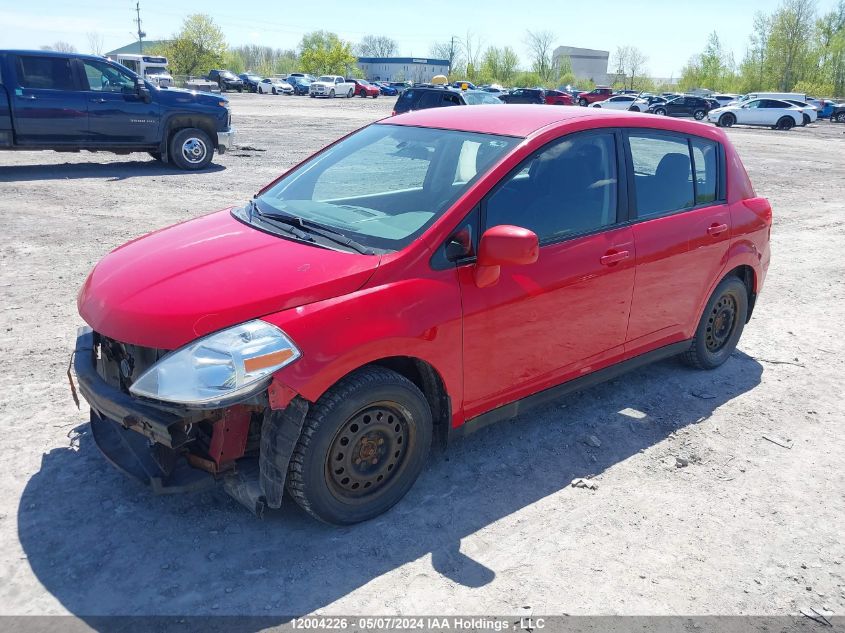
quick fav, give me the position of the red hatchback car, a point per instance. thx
(417, 279)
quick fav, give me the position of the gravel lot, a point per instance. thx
(492, 526)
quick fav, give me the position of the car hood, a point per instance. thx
(167, 288)
(180, 96)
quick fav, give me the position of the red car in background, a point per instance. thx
(419, 278)
(364, 88)
(599, 93)
(557, 97)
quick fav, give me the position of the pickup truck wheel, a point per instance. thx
(362, 447)
(331, 93)
(720, 326)
(191, 149)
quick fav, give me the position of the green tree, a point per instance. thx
(321, 53)
(788, 49)
(199, 47)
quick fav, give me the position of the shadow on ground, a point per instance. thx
(103, 545)
(116, 170)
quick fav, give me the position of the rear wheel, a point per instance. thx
(720, 326)
(786, 123)
(362, 447)
(362, 94)
(191, 149)
(660, 111)
(839, 118)
(699, 114)
(727, 120)
(582, 103)
(331, 93)
(375, 96)
(806, 119)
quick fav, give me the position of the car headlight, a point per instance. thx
(219, 367)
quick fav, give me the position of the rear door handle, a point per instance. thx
(717, 229)
(29, 97)
(100, 100)
(614, 257)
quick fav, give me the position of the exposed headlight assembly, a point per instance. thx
(220, 367)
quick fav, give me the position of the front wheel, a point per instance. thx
(720, 326)
(191, 149)
(363, 94)
(582, 103)
(727, 120)
(660, 112)
(362, 447)
(839, 118)
(331, 94)
(699, 115)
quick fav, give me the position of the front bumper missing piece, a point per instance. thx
(148, 443)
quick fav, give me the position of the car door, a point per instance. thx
(681, 228)
(752, 113)
(566, 314)
(117, 115)
(49, 107)
(676, 107)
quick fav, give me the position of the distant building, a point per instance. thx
(587, 63)
(135, 48)
(416, 69)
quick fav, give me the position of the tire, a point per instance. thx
(274, 91)
(582, 103)
(375, 96)
(720, 326)
(806, 119)
(350, 94)
(312, 96)
(699, 115)
(191, 148)
(839, 118)
(327, 475)
(363, 94)
(786, 123)
(240, 89)
(727, 120)
(331, 93)
(660, 111)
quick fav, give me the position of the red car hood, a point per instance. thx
(169, 287)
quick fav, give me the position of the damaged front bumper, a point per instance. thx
(245, 447)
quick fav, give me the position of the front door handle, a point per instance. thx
(614, 257)
(28, 97)
(717, 229)
(100, 100)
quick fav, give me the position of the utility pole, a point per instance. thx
(141, 34)
(451, 54)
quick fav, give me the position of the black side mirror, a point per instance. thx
(142, 90)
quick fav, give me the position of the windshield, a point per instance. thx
(384, 185)
(481, 98)
(228, 75)
(155, 70)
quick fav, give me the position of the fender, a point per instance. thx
(417, 318)
(202, 120)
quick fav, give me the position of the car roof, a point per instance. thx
(512, 120)
(51, 54)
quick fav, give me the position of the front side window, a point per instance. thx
(565, 189)
(44, 73)
(384, 185)
(104, 77)
(662, 173)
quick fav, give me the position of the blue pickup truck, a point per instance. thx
(69, 102)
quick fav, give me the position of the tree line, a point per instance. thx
(792, 49)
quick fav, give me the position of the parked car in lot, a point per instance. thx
(69, 102)
(618, 102)
(642, 103)
(331, 86)
(524, 95)
(386, 89)
(226, 79)
(725, 99)
(321, 336)
(837, 113)
(772, 113)
(364, 88)
(464, 85)
(307, 77)
(558, 97)
(300, 85)
(434, 96)
(599, 93)
(687, 105)
(250, 81)
(809, 111)
(274, 85)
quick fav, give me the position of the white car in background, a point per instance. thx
(619, 102)
(725, 99)
(773, 113)
(809, 110)
(273, 85)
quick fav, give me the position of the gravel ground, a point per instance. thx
(492, 526)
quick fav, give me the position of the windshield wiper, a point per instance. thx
(280, 222)
(295, 221)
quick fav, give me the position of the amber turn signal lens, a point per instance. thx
(267, 360)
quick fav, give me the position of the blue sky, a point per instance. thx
(667, 31)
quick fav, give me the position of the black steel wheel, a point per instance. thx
(362, 447)
(720, 326)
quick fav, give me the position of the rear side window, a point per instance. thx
(44, 73)
(429, 100)
(662, 174)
